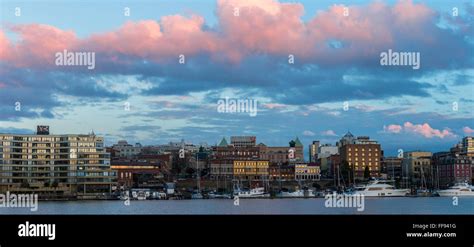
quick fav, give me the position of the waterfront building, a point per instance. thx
(222, 169)
(313, 151)
(392, 167)
(451, 168)
(123, 149)
(251, 170)
(468, 146)
(230, 152)
(333, 163)
(417, 168)
(143, 170)
(134, 174)
(324, 152)
(361, 152)
(223, 156)
(327, 150)
(282, 154)
(200, 160)
(348, 138)
(66, 165)
(176, 146)
(243, 141)
(307, 172)
(283, 172)
(454, 166)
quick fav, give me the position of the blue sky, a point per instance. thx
(337, 61)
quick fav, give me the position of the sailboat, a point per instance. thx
(218, 195)
(423, 190)
(197, 194)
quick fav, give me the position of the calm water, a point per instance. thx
(427, 205)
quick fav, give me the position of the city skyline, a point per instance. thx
(140, 92)
(257, 142)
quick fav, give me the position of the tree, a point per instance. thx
(317, 186)
(345, 172)
(190, 171)
(366, 172)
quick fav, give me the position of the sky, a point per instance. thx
(140, 90)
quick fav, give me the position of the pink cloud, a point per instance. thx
(426, 130)
(467, 130)
(392, 128)
(38, 44)
(148, 39)
(263, 26)
(421, 129)
(5, 46)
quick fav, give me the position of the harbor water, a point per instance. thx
(394, 205)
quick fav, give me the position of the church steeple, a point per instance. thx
(223, 142)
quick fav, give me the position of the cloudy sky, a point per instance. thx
(241, 49)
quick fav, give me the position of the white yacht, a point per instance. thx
(216, 195)
(378, 188)
(258, 192)
(286, 194)
(140, 194)
(309, 193)
(459, 189)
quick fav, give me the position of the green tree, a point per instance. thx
(190, 171)
(366, 172)
(346, 172)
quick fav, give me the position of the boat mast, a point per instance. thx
(279, 168)
(423, 182)
(198, 173)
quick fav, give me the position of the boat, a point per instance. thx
(215, 195)
(125, 195)
(287, 194)
(258, 192)
(378, 188)
(157, 195)
(197, 195)
(459, 189)
(309, 193)
(319, 194)
(424, 192)
(140, 194)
